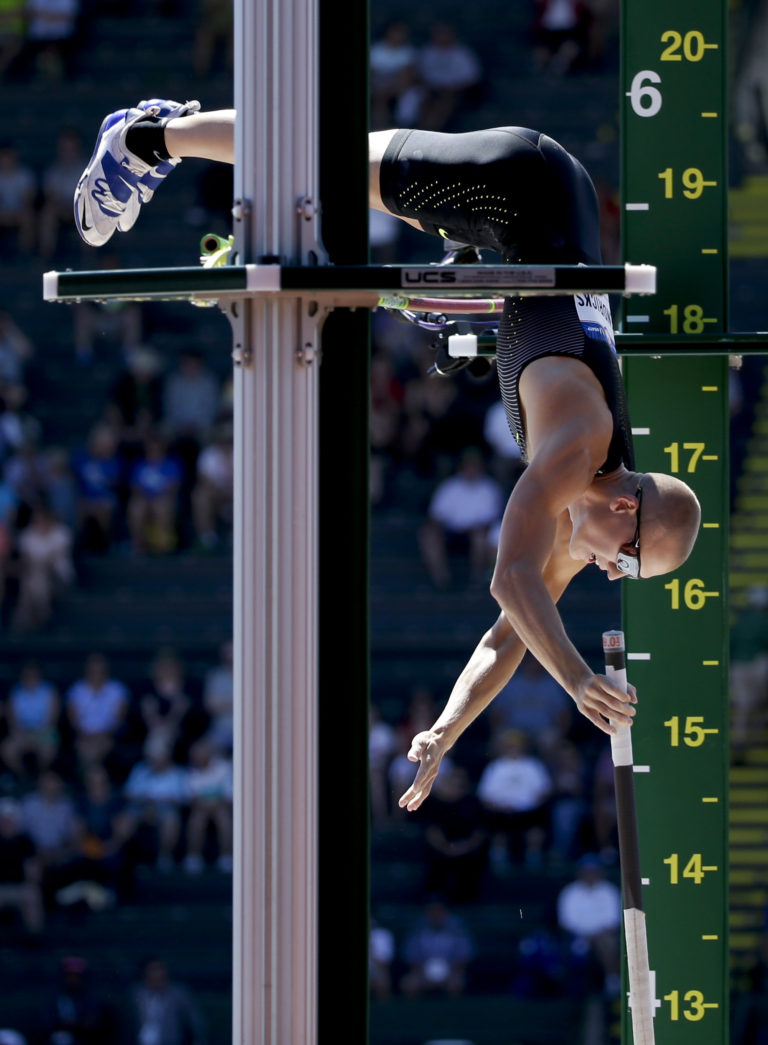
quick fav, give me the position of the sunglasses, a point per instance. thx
(629, 565)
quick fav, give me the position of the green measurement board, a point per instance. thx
(677, 645)
(674, 163)
(674, 197)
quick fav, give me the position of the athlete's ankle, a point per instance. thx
(146, 139)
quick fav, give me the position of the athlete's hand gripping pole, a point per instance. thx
(641, 989)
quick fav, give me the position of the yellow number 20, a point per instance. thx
(693, 46)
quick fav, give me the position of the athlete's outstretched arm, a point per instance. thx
(551, 481)
(490, 667)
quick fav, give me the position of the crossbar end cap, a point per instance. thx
(462, 346)
(640, 279)
(50, 286)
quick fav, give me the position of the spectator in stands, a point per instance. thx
(604, 807)
(45, 568)
(98, 470)
(438, 950)
(420, 711)
(406, 345)
(540, 968)
(569, 806)
(116, 324)
(48, 817)
(462, 510)
(507, 460)
(560, 34)
(153, 499)
(211, 209)
(32, 713)
(749, 671)
(13, 25)
(456, 838)
(589, 913)
(749, 1025)
(135, 405)
(449, 77)
(385, 423)
(165, 705)
(514, 790)
(209, 782)
(213, 39)
(60, 486)
(77, 1014)
(20, 870)
(218, 700)
(59, 181)
(161, 1011)
(533, 702)
(381, 956)
(19, 434)
(602, 28)
(18, 192)
(434, 424)
(382, 743)
(384, 236)
(26, 470)
(9, 1036)
(750, 90)
(9, 504)
(105, 832)
(96, 706)
(16, 349)
(213, 491)
(609, 201)
(157, 791)
(393, 67)
(191, 401)
(51, 37)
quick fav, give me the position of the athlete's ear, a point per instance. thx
(623, 503)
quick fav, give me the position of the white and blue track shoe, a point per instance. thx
(116, 182)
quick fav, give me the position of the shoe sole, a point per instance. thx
(84, 212)
(142, 191)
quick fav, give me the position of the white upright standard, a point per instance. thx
(276, 547)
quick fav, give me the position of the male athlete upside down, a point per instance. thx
(579, 501)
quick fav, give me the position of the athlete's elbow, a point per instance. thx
(506, 583)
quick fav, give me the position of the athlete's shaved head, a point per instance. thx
(671, 517)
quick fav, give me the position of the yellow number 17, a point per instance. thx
(697, 449)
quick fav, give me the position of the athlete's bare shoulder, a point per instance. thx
(563, 402)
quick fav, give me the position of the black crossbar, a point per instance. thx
(189, 283)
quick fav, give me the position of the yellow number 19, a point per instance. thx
(693, 181)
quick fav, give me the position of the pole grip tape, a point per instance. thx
(614, 652)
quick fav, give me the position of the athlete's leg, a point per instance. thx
(377, 146)
(206, 135)
(122, 175)
(137, 148)
(211, 136)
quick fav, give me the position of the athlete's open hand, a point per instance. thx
(427, 749)
(600, 699)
